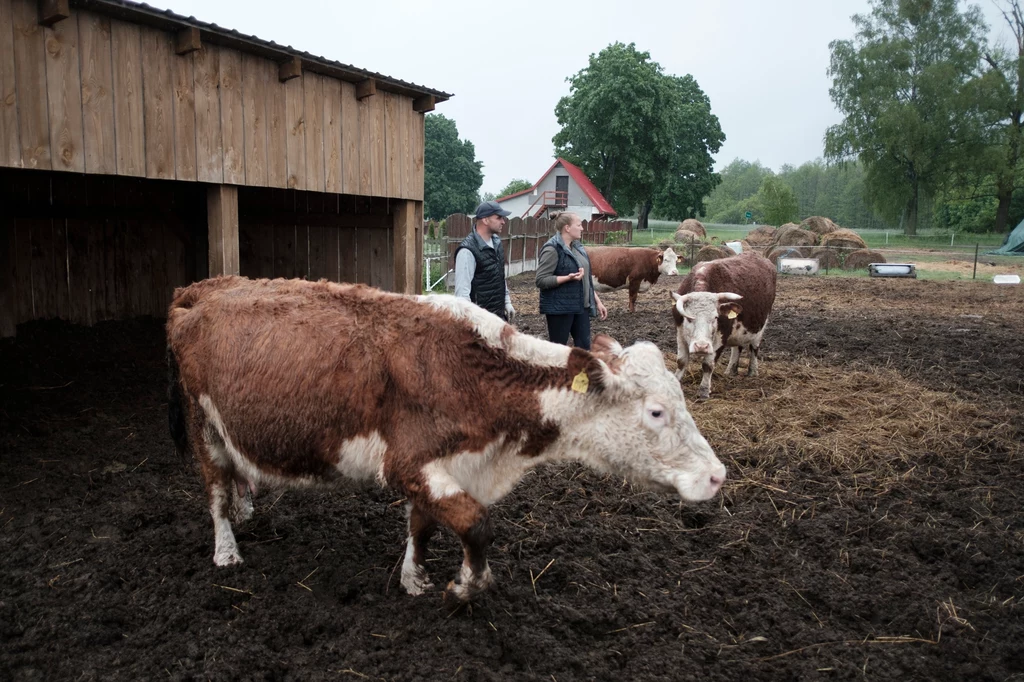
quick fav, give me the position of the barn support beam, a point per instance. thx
(8, 282)
(366, 88)
(407, 223)
(289, 69)
(52, 11)
(187, 40)
(423, 104)
(222, 219)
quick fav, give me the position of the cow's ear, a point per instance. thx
(604, 344)
(730, 310)
(661, 258)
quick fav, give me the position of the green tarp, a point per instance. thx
(1014, 244)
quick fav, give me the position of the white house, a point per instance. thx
(564, 187)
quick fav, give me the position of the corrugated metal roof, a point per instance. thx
(140, 12)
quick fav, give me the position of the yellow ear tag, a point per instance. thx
(581, 382)
(732, 315)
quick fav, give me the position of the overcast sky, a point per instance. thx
(762, 63)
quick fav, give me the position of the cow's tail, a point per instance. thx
(175, 406)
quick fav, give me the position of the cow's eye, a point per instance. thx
(656, 414)
(689, 319)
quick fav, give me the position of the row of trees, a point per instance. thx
(930, 111)
(931, 134)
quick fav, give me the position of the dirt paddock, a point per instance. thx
(872, 527)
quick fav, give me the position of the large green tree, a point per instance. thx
(514, 186)
(451, 174)
(1002, 91)
(631, 128)
(905, 87)
(777, 201)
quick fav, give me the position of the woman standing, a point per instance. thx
(567, 296)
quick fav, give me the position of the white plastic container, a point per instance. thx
(1006, 279)
(798, 266)
(892, 270)
(735, 246)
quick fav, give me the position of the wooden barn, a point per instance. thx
(141, 150)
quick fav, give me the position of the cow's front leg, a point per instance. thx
(682, 355)
(449, 505)
(707, 365)
(733, 368)
(414, 570)
(753, 350)
(634, 291)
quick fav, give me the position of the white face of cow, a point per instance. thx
(668, 262)
(700, 311)
(640, 427)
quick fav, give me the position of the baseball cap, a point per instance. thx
(489, 208)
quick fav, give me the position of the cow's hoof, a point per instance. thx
(416, 583)
(703, 394)
(224, 559)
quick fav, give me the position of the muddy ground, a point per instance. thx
(872, 527)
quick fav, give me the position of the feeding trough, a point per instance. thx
(892, 270)
(798, 266)
(1006, 279)
(735, 246)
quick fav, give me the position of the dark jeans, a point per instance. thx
(577, 324)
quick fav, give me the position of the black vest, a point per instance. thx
(566, 298)
(488, 287)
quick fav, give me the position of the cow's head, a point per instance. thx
(667, 263)
(638, 426)
(697, 314)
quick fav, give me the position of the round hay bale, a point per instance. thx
(664, 244)
(789, 225)
(818, 225)
(794, 236)
(775, 253)
(828, 259)
(861, 258)
(693, 225)
(712, 252)
(842, 238)
(686, 237)
(761, 235)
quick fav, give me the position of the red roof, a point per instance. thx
(600, 203)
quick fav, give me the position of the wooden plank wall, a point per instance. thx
(95, 94)
(92, 248)
(292, 233)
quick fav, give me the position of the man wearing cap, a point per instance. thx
(480, 263)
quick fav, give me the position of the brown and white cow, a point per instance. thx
(296, 383)
(709, 317)
(615, 267)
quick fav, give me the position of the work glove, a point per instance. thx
(510, 312)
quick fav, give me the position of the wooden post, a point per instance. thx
(407, 247)
(8, 282)
(222, 219)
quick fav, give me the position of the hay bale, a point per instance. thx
(687, 237)
(793, 236)
(818, 225)
(775, 253)
(693, 225)
(859, 259)
(664, 244)
(828, 259)
(761, 235)
(789, 225)
(712, 252)
(848, 240)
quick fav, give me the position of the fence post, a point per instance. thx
(975, 275)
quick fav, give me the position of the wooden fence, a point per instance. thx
(522, 238)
